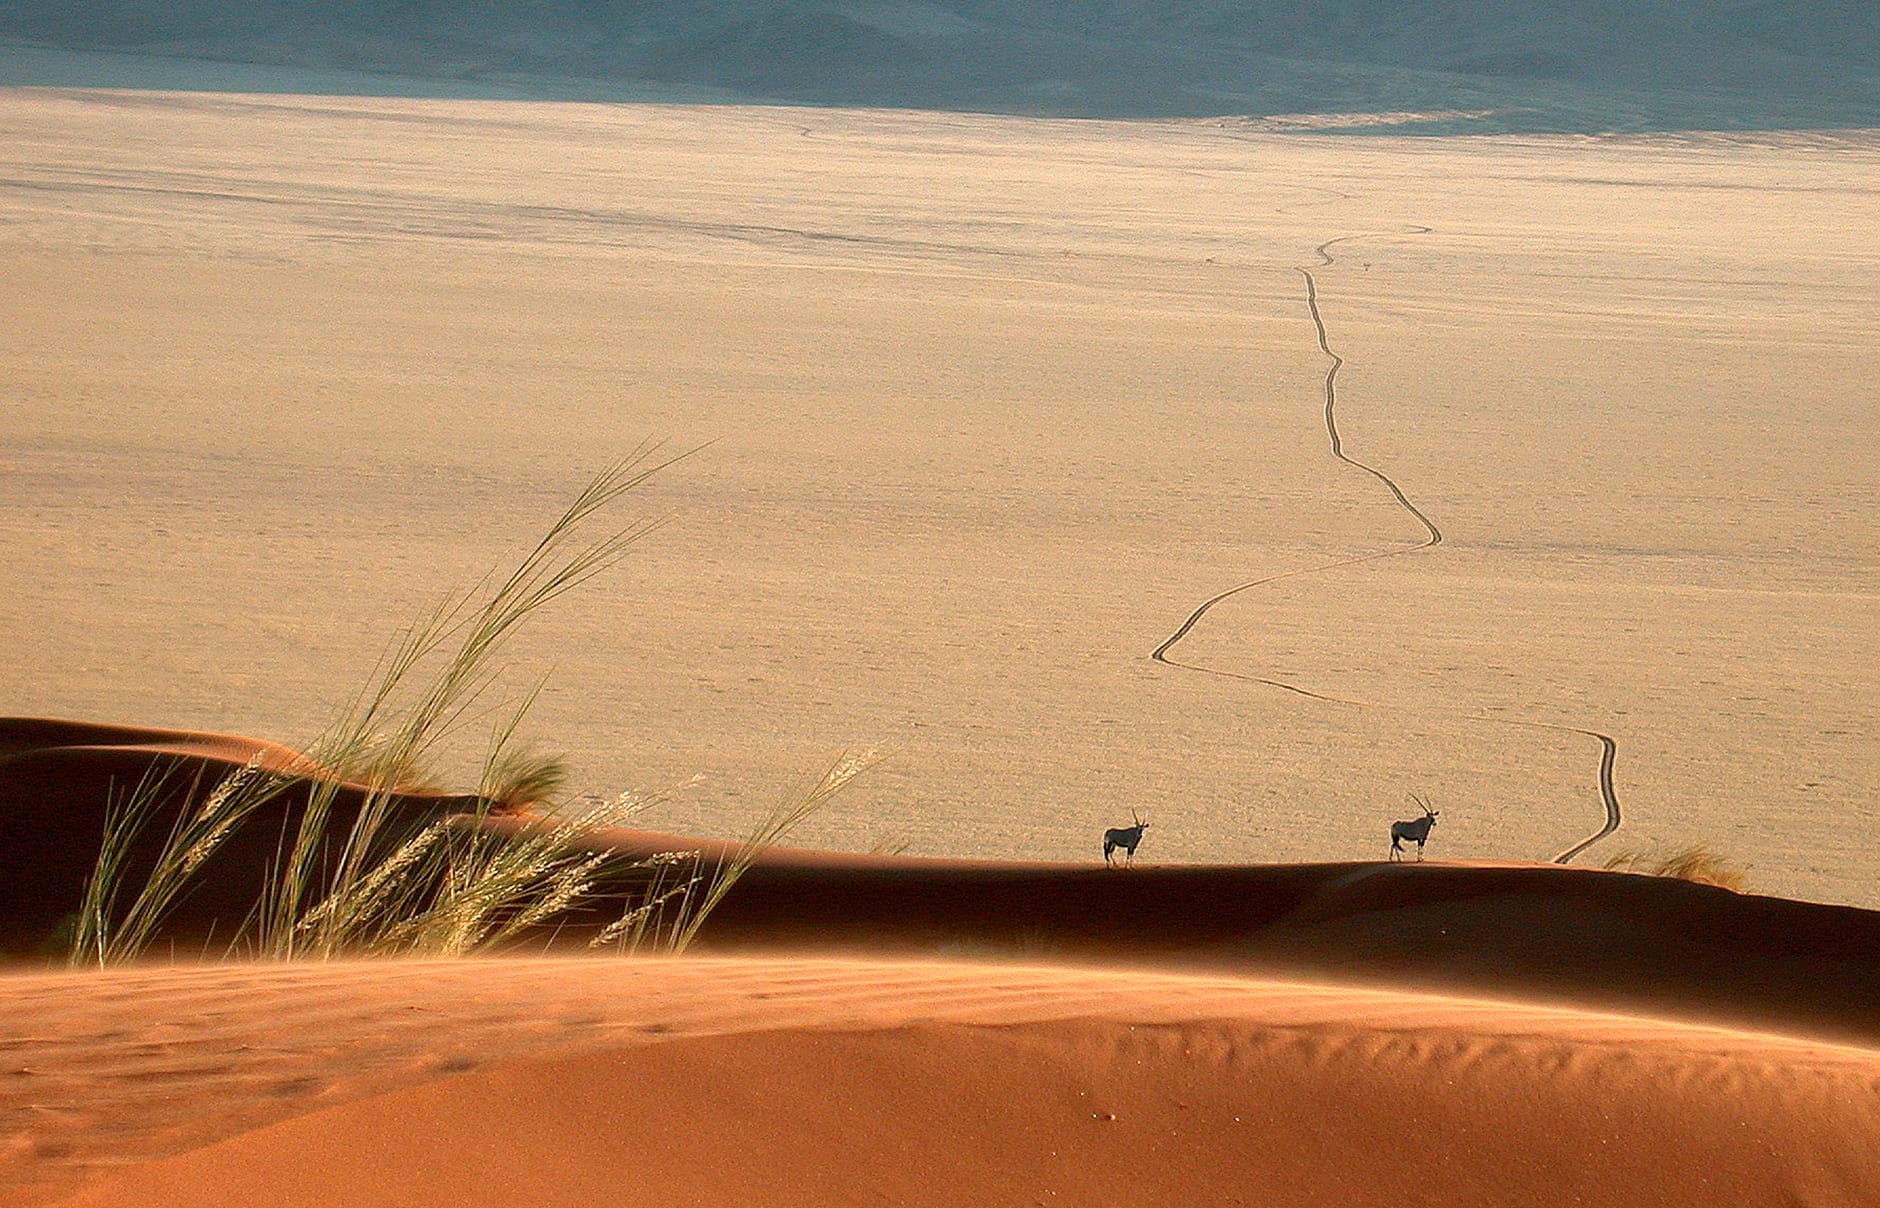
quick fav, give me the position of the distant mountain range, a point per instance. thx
(1465, 64)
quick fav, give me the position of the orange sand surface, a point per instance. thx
(1060, 1034)
(776, 1081)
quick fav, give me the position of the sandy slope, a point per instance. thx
(1619, 941)
(1168, 1053)
(820, 1082)
(1654, 945)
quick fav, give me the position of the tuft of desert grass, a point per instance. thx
(1695, 863)
(455, 887)
(377, 884)
(331, 896)
(782, 819)
(519, 782)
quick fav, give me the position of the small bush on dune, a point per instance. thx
(1696, 863)
(359, 872)
(520, 781)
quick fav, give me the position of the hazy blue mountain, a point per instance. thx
(1537, 64)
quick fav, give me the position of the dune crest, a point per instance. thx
(1585, 937)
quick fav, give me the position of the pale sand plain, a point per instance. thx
(993, 405)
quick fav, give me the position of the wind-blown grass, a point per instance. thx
(106, 934)
(1696, 863)
(323, 905)
(455, 887)
(363, 869)
(517, 781)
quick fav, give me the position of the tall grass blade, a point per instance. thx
(784, 818)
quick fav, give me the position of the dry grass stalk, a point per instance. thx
(781, 820)
(104, 934)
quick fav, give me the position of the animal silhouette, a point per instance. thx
(1417, 830)
(1125, 837)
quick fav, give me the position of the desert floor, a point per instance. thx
(992, 406)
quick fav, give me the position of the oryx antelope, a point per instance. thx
(1125, 837)
(1416, 830)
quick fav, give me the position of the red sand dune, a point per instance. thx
(1585, 936)
(59, 778)
(1179, 1035)
(820, 1082)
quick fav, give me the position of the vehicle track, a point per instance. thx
(1433, 536)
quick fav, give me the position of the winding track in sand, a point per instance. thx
(1433, 536)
